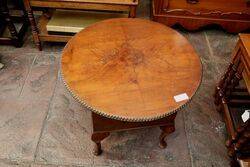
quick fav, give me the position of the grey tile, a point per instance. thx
(19, 129)
(221, 69)
(22, 118)
(66, 138)
(199, 42)
(13, 164)
(209, 71)
(44, 165)
(14, 73)
(222, 45)
(205, 130)
(42, 78)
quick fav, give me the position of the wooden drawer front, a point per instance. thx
(121, 2)
(234, 9)
(79, 5)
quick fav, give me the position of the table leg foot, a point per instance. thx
(97, 149)
(97, 138)
(166, 130)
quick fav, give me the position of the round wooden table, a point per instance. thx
(130, 73)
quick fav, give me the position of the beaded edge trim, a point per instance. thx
(119, 118)
(128, 119)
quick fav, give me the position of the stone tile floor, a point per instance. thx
(41, 125)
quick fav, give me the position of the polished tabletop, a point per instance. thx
(131, 69)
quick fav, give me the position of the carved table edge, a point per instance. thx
(126, 119)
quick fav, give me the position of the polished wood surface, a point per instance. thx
(245, 58)
(245, 39)
(130, 69)
(231, 15)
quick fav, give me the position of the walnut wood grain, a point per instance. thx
(130, 69)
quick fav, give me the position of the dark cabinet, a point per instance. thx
(13, 23)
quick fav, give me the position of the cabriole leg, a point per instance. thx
(166, 130)
(97, 138)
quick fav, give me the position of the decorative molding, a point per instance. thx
(200, 13)
(117, 117)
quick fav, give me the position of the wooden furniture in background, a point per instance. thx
(71, 21)
(123, 71)
(245, 163)
(232, 97)
(11, 35)
(40, 32)
(232, 15)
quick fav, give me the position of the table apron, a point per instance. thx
(103, 124)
